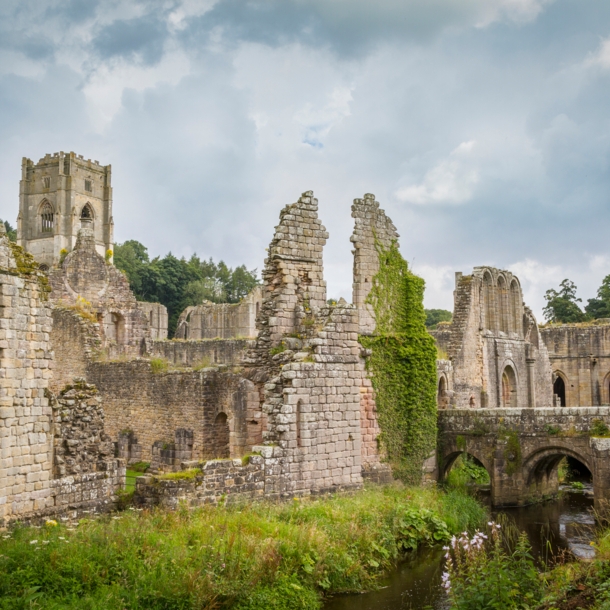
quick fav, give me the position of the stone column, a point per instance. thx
(531, 386)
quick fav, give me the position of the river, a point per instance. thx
(564, 523)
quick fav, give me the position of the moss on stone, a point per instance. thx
(403, 366)
(27, 265)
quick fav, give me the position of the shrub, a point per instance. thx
(599, 428)
(159, 365)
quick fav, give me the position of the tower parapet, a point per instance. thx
(55, 195)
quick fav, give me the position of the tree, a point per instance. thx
(10, 231)
(434, 316)
(600, 307)
(562, 306)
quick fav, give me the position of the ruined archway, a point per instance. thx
(509, 388)
(515, 307)
(462, 468)
(502, 301)
(221, 448)
(488, 296)
(442, 397)
(559, 391)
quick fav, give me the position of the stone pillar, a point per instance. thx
(531, 386)
(600, 448)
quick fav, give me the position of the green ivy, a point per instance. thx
(402, 366)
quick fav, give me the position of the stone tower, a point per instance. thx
(57, 195)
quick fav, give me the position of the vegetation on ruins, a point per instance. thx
(11, 232)
(562, 305)
(178, 283)
(434, 316)
(403, 366)
(252, 557)
(465, 472)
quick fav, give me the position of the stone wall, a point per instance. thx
(493, 344)
(208, 352)
(580, 359)
(221, 320)
(220, 409)
(157, 319)
(87, 281)
(75, 339)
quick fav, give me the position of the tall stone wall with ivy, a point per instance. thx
(401, 355)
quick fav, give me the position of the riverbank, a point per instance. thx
(276, 557)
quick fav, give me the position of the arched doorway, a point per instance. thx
(221, 447)
(509, 388)
(465, 470)
(559, 391)
(442, 398)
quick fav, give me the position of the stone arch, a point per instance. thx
(442, 395)
(509, 394)
(86, 212)
(222, 436)
(560, 389)
(47, 216)
(489, 301)
(515, 307)
(502, 301)
(539, 469)
(450, 458)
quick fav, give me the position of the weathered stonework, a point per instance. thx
(494, 346)
(203, 353)
(157, 319)
(221, 320)
(580, 358)
(54, 194)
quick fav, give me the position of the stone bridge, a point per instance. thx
(521, 448)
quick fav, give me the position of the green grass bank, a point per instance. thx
(254, 557)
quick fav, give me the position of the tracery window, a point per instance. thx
(47, 218)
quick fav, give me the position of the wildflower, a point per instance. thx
(46, 541)
(33, 541)
(51, 523)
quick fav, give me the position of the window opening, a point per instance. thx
(46, 182)
(47, 218)
(88, 186)
(559, 390)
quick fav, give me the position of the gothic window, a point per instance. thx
(88, 186)
(47, 218)
(86, 212)
(46, 182)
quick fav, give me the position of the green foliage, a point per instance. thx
(465, 471)
(552, 430)
(434, 316)
(10, 231)
(492, 571)
(278, 349)
(403, 366)
(512, 451)
(599, 428)
(252, 557)
(562, 307)
(62, 256)
(190, 473)
(140, 467)
(159, 365)
(178, 283)
(600, 307)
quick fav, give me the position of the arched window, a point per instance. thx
(515, 306)
(488, 297)
(559, 391)
(509, 388)
(442, 398)
(503, 314)
(47, 218)
(87, 212)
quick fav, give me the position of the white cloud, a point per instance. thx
(601, 57)
(439, 285)
(453, 180)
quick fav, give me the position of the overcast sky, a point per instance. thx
(482, 126)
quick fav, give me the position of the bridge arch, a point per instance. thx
(449, 461)
(539, 469)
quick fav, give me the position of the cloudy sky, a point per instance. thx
(482, 126)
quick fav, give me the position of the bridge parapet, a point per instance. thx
(521, 448)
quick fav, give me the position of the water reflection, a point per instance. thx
(565, 523)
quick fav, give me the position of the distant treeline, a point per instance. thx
(562, 306)
(178, 282)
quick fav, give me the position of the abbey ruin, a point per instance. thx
(270, 397)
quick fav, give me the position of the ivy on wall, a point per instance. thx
(402, 366)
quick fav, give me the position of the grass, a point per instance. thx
(191, 473)
(255, 557)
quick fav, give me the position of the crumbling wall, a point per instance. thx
(221, 320)
(204, 353)
(217, 406)
(75, 339)
(157, 319)
(580, 357)
(86, 280)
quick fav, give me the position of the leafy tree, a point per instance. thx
(600, 307)
(10, 231)
(562, 306)
(434, 316)
(178, 283)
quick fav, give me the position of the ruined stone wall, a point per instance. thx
(219, 408)
(580, 357)
(372, 227)
(208, 352)
(86, 280)
(497, 357)
(75, 339)
(221, 320)
(157, 319)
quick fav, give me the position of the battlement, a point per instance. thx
(51, 159)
